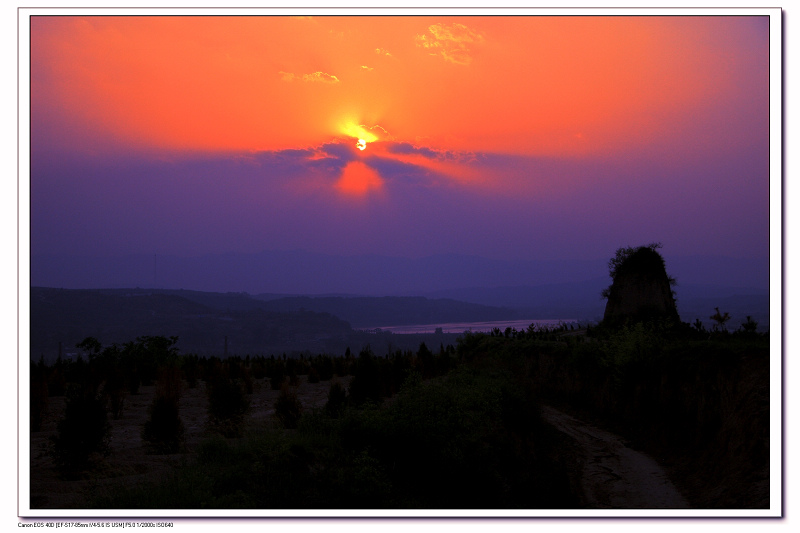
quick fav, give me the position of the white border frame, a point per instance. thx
(776, 262)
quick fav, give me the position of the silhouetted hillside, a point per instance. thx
(68, 316)
(202, 321)
(270, 323)
(221, 301)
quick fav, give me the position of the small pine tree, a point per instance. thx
(164, 429)
(749, 326)
(83, 431)
(114, 390)
(288, 408)
(337, 397)
(720, 319)
(227, 405)
(278, 377)
(38, 395)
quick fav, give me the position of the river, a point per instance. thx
(460, 327)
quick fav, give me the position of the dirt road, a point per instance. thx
(614, 476)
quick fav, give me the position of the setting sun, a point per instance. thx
(359, 131)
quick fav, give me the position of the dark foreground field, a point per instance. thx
(131, 461)
(459, 428)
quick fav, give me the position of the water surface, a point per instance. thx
(482, 327)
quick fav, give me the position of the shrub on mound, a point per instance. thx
(641, 290)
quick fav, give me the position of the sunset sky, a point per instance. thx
(514, 137)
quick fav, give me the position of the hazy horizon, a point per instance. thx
(303, 272)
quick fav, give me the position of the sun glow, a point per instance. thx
(362, 134)
(358, 179)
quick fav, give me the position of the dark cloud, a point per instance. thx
(407, 148)
(393, 170)
(346, 151)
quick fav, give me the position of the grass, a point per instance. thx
(698, 402)
(461, 428)
(469, 439)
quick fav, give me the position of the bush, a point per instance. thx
(191, 370)
(367, 384)
(164, 429)
(633, 343)
(337, 398)
(83, 431)
(38, 395)
(227, 406)
(277, 377)
(114, 390)
(325, 368)
(247, 381)
(258, 368)
(288, 408)
(56, 381)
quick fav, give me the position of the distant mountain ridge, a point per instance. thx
(64, 317)
(306, 273)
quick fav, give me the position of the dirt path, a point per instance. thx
(614, 476)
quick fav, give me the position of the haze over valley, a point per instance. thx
(319, 300)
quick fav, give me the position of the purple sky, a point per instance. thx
(124, 204)
(676, 152)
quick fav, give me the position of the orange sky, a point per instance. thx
(517, 85)
(494, 136)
